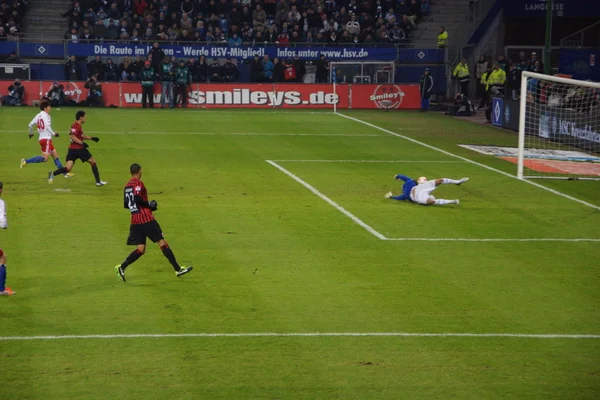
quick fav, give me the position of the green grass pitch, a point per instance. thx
(270, 256)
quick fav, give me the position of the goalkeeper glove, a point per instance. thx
(153, 205)
(95, 139)
(85, 145)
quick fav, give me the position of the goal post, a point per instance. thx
(559, 128)
(358, 72)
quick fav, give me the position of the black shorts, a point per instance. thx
(139, 232)
(82, 154)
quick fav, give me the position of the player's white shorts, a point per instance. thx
(421, 193)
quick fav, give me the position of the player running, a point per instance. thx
(78, 150)
(143, 224)
(43, 123)
(4, 291)
(420, 192)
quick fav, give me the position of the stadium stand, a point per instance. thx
(244, 21)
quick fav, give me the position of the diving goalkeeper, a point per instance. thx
(420, 191)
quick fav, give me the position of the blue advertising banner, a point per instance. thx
(580, 63)
(497, 111)
(560, 8)
(186, 51)
(60, 50)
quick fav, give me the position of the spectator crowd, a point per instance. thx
(11, 18)
(237, 22)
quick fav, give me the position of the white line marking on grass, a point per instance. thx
(306, 334)
(370, 161)
(341, 209)
(227, 133)
(495, 239)
(556, 192)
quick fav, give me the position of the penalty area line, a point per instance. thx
(304, 334)
(495, 239)
(372, 161)
(553, 191)
(341, 209)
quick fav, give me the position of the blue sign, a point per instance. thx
(60, 50)
(497, 111)
(580, 63)
(560, 8)
(241, 52)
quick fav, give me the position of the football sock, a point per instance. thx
(170, 256)
(440, 202)
(96, 173)
(36, 159)
(447, 181)
(2, 277)
(62, 170)
(58, 163)
(131, 258)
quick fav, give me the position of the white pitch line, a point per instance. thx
(369, 161)
(556, 192)
(227, 133)
(304, 334)
(328, 200)
(495, 239)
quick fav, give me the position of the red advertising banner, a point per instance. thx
(243, 95)
(246, 95)
(386, 96)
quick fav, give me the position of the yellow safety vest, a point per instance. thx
(442, 39)
(484, 80)
(461, 71)
(497, 77)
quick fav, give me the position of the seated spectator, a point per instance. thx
(72, 36)
(135, 68)
(259, 16)
(271, 34)
(353, 26)
(12, 59)
(414, 8)
(96, 67)
(397, 34)
(3, 36)
(72, 70)
(283, 39)
(278, 71)
(425, 7)
(256, 69)
(16, 93)
(215, 73)
(111, 71)
(187, 6)
(124, 69)
(234, 40)
(230, 71)
(267, 69)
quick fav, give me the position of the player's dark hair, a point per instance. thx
(135, 168)
(1, 185)
(44, 104)
(80, 114)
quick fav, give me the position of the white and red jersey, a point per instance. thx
(43, 124)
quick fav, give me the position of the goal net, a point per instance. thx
(559, 128)
(362, 72)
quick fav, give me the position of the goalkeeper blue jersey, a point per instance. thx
(406, 188)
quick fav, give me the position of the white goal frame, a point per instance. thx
(334, 64)
(522, 117)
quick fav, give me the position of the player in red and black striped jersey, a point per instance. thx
(143, 224)
(78, 150)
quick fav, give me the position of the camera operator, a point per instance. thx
(56, 95)
(95, 92)
(16, 93)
